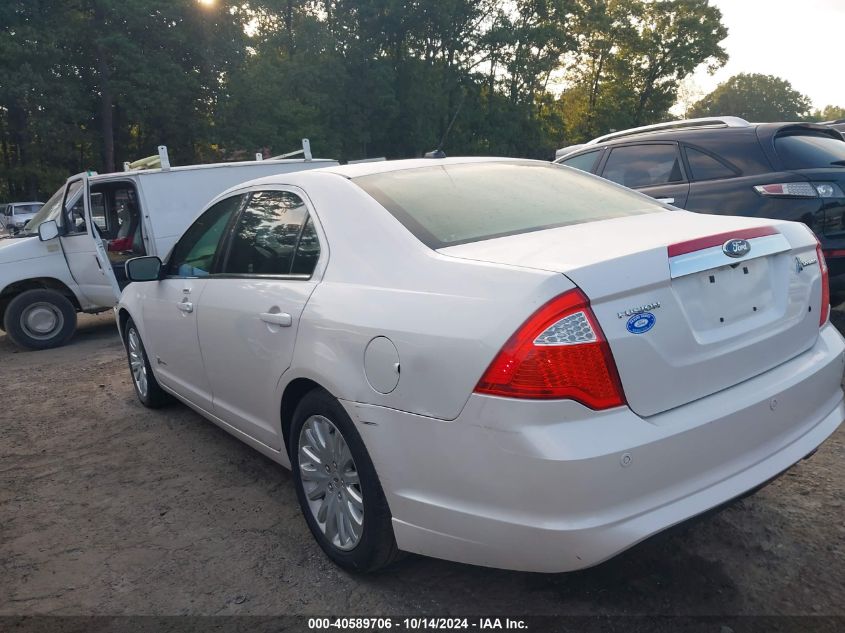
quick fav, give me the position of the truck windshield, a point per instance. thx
(50, 211)
(26, 209)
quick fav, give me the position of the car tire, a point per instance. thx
(149, 392)
(40, 319)
(318, 413)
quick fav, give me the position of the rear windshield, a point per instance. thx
(445, 205)
(809, 151)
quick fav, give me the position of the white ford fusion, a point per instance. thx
(494, 361)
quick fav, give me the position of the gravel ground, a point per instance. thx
(107, 508)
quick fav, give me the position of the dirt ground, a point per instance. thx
(109, 508)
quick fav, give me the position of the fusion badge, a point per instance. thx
(641, 323)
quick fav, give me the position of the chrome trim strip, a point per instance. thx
(714, 257)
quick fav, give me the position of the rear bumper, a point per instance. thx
(553, 486)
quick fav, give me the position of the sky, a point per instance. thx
(798, 40)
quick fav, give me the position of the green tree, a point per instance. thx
(755, 97)
(631, 58)
(829, 113)
(87, 84)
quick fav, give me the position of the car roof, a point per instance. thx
(311, 177)
(379, 167)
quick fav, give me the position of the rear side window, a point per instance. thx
(644, 165)
(268, 233)
(584, 162)
(445, 205)
(810, 151)
(705, 167)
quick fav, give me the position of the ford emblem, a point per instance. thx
(736, 248)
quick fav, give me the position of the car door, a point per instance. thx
(249, 314)
(655, 169)
(171, 306)
(83, 249)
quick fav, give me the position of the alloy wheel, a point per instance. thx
(331, 482)
(137, 362)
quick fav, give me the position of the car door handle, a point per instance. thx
(666, 200)
(282, 319)
(185, 306)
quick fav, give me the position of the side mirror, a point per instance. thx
(48, 230)
(143, 268)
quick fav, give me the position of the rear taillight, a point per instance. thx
(800, 190)
(559, 352)
(825, 306)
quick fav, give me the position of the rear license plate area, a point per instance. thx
(726, 295)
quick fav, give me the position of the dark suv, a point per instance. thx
(725, 165)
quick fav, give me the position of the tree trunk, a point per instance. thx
(106, 110)
(106, 96)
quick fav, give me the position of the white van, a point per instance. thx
(71, 254)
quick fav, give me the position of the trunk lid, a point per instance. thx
(683, 319)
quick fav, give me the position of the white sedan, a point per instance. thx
(494, 361)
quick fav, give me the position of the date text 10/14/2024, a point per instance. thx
(417, 624)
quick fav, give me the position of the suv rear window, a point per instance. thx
(444, 205)
(810, 151)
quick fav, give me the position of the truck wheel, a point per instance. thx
(40, 319)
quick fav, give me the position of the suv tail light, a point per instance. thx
(559, 352)
(825, 306)
(800, 190)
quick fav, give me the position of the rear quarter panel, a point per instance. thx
(736, 196)
(446, 317)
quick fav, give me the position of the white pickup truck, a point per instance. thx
(70, 258)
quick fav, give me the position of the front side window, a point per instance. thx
(584, 162)
(75, 208)
(193, 255)
(644, 165)
(810, 151)
(444, 204)
(273, 236)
